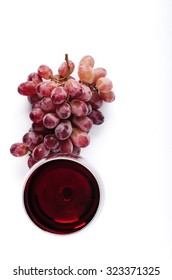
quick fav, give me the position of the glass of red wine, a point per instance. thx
(61, 194)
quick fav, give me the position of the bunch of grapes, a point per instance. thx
(63, 109)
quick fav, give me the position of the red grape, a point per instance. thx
(58, 95)
(76, 150)
(50, 120)
(45, 71)
(27, 88)
(66, 146)
(99, 73)
(87, 60)
(33, 98)
(35, 77)
(36, 115)
(39, 128)
(73, 88)
(31, 138)
(63, 130)
(79, 107)
(46, 104)
(86, 93)
(96, 116)
(84, 123)
(37, 104)
(40, 152)
(80, 138)
(95, 101)
(51, 141)
(31, 161)
(86, 74)
(108, 97)
(18, 149)
(63, 110)
(104, 85)
(45, 88)
(63, 69)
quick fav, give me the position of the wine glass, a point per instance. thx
(62, 193)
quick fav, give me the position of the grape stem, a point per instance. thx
(68, 66)
(60, 80)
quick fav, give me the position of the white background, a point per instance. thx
(132, 150)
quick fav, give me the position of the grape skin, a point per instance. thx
(86, 74)
(97, 117)
(40, 152)
(99, 73)
(63, 69)
(39, 128)
(79, 107)
(18, 149)
(36, 115)
(104, 85)
(45, 88)
(37, 104)
(58, 95)
(66, 146)
(31, 138)
(31, 161)
(84, 123)
(51, 142)
(45, 71)
(50, 120)
(33, 98)
(47, 105)
(89, 108)
(95, 100)
(35, 77)
(27, 88)
(76, 150)
(63, 111)
(80, 138)
(87, 60)
(107, 97)
(63, 130)
(86, 93)
(73, 88)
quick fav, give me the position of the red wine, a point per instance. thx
(61, 196)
